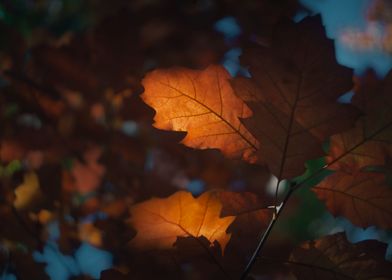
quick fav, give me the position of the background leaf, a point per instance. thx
(333, 257)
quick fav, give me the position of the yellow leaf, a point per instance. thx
(89, 233)
(27, 192)
(160, 221)
(203, 104)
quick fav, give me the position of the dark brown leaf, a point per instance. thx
(333, 257)
(293, 93)
(363, 198)
(369, 142)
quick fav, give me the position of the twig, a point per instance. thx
(266, 234)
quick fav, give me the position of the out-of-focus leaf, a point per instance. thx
(333, 257)
(87, 175)
(27, 193)
(89, 233)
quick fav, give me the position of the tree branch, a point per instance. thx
(266, 234)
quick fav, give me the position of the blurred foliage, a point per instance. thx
(77, 148)
(71, 118)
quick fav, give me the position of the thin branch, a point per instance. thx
(278, 209)
(296, 187)
(266, 235)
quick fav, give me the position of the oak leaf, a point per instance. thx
(364, 198)
(293, 90)
(252, 218)
(252, 214)
(159, 222)
(203, 104)
(333, 257)
(369, 143)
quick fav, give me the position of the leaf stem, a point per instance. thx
(265, 235)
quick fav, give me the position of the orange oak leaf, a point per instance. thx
(369, 143)
(363, 198)
(293, 90)
(203, 104)
(159, 222)
(333, 257)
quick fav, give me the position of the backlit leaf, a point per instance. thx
(159, 222)
(203, 104)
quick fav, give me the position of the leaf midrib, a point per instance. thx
(355, 197)
(253, 146)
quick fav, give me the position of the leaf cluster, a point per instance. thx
(90, 124)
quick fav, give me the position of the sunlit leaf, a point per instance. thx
(159, 222)
(201, 103)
